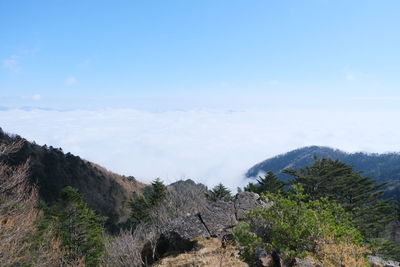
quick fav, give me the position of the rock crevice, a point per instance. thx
(205, 226)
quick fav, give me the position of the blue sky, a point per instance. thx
(200, 89)
(82, 54)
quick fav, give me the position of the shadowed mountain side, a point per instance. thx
(51, 170)
(380, 167)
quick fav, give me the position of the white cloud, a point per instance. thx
(71, 81)
(36, 97)
(207, 146)
(12, 64)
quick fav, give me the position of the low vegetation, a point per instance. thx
(209, 252)
(295, 226)
(327, 211)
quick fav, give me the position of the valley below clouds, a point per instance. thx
(208, 146)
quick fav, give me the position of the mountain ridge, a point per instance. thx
(50, 170)
(384, 168)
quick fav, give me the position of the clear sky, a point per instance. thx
(82, 54)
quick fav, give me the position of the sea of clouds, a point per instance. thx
(208, 146)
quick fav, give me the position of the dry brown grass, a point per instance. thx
(331, 254)
(210, 254)
(15, 230)
(18, 213)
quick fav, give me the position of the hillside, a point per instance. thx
(380, 167)
(50, 170)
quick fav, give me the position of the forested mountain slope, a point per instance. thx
(50, 170)
(380, 167)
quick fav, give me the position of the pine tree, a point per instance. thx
(80, 230)
(140, 211)
(358, 195)
(219, 192)
(267, 184)
(252, 188)
(270, 183)
(157, 193)
(141, 206)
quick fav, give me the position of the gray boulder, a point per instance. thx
(177, 237)
(219, 218)
(245, 202)
(379, 262)
(307, 262)
(213, 220)
(187, 227)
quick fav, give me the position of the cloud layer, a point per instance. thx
(208, 146)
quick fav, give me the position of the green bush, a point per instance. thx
(294, 225)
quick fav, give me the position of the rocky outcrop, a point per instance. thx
(306, 262)
(245, 202)
(379, 262)
(214, 220)
(187, 227)
(219, 218)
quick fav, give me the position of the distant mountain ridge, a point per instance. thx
(380, 167)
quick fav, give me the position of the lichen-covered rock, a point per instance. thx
(177, 237)
(219, 218)
(245, 202)
(187, 227)
(379, 262)
(215, 219)
(306, 262)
